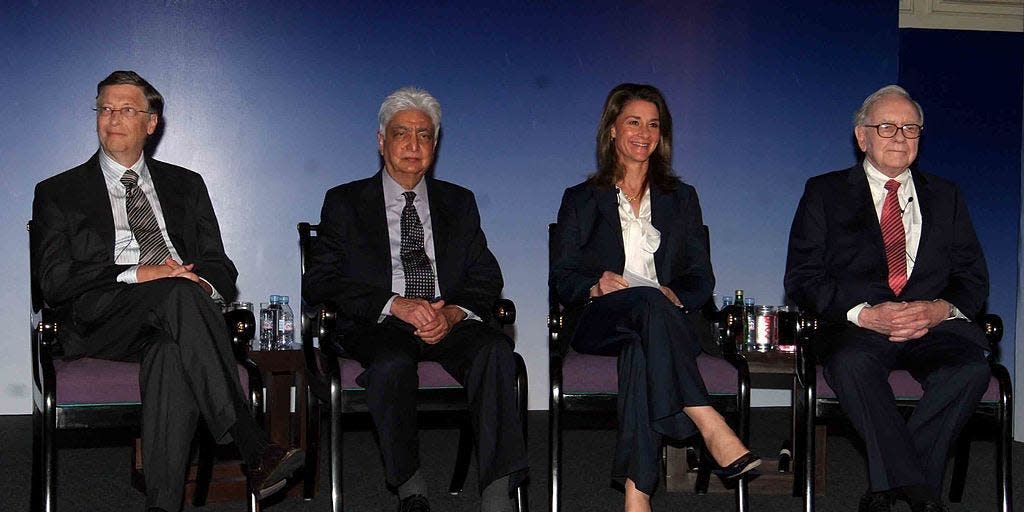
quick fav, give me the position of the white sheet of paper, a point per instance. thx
(638, 280)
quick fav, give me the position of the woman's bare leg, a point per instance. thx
(722, 442)
(636, 500)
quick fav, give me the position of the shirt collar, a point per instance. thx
(393, 191)
(113, 170)
(877, 178)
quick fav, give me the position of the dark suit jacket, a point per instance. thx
(837, 257)
(73, 232)
(590, 242)
(351, 264)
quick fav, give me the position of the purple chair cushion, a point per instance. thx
(583, 373)
(90, 381)
(432, 375)
(905, 387)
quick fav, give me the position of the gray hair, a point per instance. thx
(861, 115)
(410, 98)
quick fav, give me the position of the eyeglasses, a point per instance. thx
(888, 130)
(124, 111)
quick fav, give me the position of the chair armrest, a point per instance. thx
(504, 311)
(241, 324)
(320, 322)
(992, 326)
(806, 329)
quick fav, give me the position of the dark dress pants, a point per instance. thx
(478, 356)
(188, 369)
(657, 348)
(954, 375)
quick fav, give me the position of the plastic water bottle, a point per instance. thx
(285, 325)
(268, 323)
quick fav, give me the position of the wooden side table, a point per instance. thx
(284, 375)
(283, 414)
(769, 365)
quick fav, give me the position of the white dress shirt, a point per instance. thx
(640, 238)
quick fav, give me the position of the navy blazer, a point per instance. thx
(351, 264)
(837, 258)
(73, 231)
(590, 243)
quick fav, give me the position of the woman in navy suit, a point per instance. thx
(633, 260)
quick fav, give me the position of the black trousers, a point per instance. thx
(478, 356)
(188, 370)
(954, 375)
(658, 376)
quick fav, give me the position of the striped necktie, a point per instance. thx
(894, 237)
(142, 220)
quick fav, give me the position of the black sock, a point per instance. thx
(251, 440)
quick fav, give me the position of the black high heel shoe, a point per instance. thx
(739, 467)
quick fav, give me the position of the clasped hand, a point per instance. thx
(171, 268)
(903, 321)
(432, 320)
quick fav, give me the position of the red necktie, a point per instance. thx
(894, 238)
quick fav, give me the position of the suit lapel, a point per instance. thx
(95, 201)
(371, 216)
(172, 205)
(926, 204)
(661, 215)
(441, 222)
(860, 195)
(608, 209)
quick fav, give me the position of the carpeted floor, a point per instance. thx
(98, 478)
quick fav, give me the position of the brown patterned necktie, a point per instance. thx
(894, 237)
(142, 220)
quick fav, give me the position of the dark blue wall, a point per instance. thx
(970, 85)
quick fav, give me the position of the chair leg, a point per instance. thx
(45, 461)
(961, 458)
(462, 459)
(309, 472)
(522, 498)
(555, 449)
(337, 503)
(703, 469)
(809, 448)
(1004, 443)
(204, 469)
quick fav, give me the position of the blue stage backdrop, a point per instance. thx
(275, 102)
(970, 85)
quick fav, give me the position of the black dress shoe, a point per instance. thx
(739, 467)
(275, 466)
(875, 502)
(414, 503)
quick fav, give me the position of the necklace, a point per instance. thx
(630, 198)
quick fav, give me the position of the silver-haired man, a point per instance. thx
(404, 258)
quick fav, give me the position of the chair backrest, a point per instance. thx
(37, 292)
(307, 240)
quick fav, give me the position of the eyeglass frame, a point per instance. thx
(878, 129)
(109, 111)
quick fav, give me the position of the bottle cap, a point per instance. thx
(283, 299)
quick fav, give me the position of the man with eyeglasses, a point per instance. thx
(129, 254)
(887, 256)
